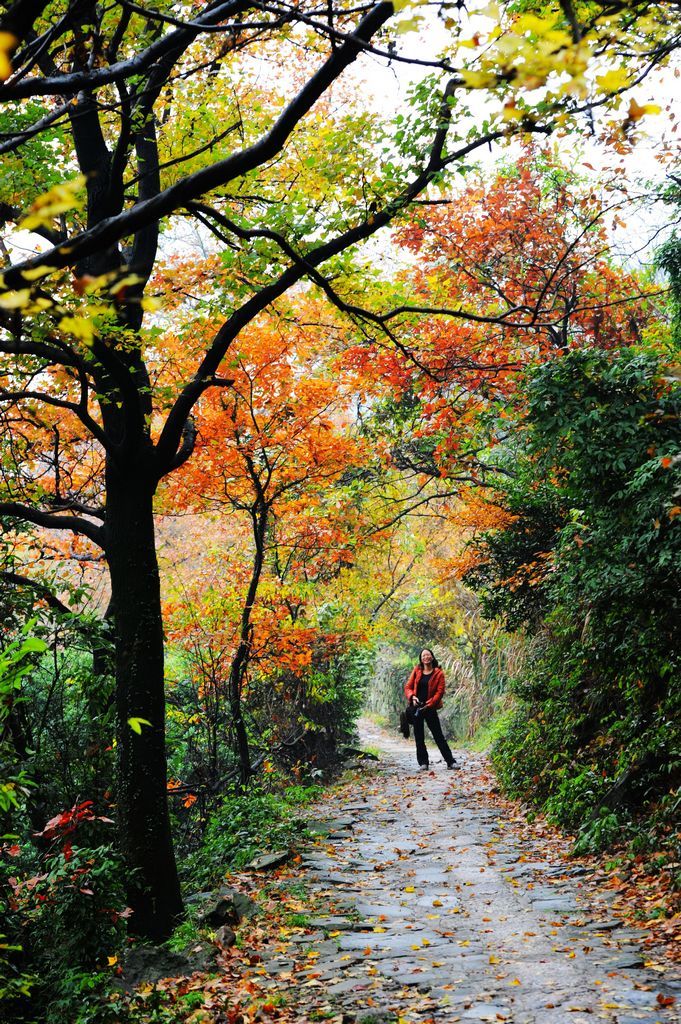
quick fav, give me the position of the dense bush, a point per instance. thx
(595, 738)
(244, 826)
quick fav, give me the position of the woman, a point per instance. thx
(424, 692)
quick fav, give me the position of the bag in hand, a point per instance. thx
(407, 718)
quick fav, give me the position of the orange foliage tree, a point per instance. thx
(514, 270)
(273, 445)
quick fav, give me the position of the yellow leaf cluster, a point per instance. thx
(15, 299)
(531, 50)
(8, 44)
(80, 327)
(60, 199)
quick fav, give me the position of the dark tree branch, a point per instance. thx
(187, 445)
(72, 505)
(69, 85)
(15, 510)
(21, 16)
(112, 229)
(43, 591)
(52, 353)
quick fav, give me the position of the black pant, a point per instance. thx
(430, 717)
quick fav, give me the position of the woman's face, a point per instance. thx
(426, 659)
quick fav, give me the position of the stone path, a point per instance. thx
(422, 904)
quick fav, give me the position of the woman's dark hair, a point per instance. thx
(436, 663)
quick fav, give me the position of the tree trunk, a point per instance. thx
(259, 517)
(141, 797)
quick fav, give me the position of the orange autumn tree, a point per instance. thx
(273, 445)
(514, 270)
(45, 455)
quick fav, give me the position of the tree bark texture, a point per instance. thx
(142, 796)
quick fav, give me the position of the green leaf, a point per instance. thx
(33, 644)
(137, 723)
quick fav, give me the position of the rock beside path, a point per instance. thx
(227, 906)
(268, 861)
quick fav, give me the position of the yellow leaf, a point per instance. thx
(35, 273)
(491, 11)
(437, 903)
(531, 23)
(8, 44)
(60, 199)
(512, 113)
(38, 305)
(79, 326)
(411, 25)
(126, 281)
(15, 300)
(410, 888)
(613, 80)
(478, 79)
(152, 303)
(494, 959)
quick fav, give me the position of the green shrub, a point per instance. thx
(594, 738)
(244, 826)
(73, 913)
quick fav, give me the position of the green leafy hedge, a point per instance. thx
(595, 737)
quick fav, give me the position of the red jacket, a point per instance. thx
(436, 687)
